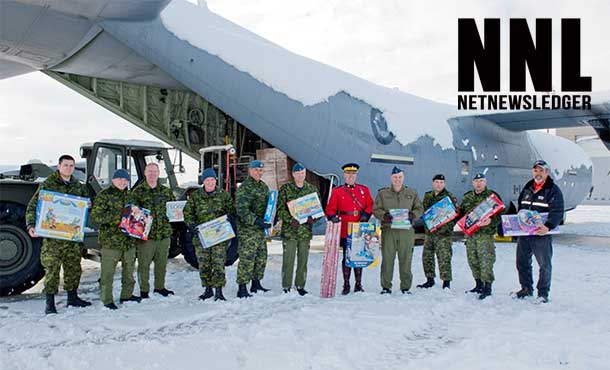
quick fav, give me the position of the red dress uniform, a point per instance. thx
(349, 202)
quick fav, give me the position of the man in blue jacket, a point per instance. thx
(543, 195)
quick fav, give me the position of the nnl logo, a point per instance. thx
(523, 51)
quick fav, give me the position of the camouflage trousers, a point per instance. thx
(441, 247)
(300, 249)
(212, 264)
(481, 253)
(393, 243)
(252, 251)
(55, 254)
(149, 251)
(110, 259)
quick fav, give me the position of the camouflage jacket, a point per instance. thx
(107, 212)
(54, 183)
(202, 207)
(470, 200)
(154, 200)
(251, 202)
(387, 199)
(289, 192)
(430, 199)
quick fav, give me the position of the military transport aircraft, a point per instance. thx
(195, 80)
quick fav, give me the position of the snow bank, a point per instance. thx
(303, 79)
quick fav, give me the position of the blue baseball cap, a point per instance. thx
(256, 164)
(396, 170)
(541, 163)
(479, 176)
(120, 174)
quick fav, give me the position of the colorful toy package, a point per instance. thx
(61, 216)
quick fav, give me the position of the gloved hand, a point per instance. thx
(262, 224)
(411, 217)
(387, 218)
(310, 220)
(364, 217)
(334, 219)
(295, 224)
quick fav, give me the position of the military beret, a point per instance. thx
(478, 176)
(354, 167)
(256, 164)
(396, 170)
(439, 176)
(208, 172)
(120, 174)
(298, 167)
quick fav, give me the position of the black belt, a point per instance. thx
(353, 213)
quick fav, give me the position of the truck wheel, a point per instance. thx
(20, 267)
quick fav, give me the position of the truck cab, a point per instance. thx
(20, 267)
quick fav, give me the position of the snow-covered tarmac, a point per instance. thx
(430, 329)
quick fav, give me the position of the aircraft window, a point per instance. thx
(158, 159)
(107, 161)
(465, 168)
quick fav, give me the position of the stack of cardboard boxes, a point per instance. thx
(278, 169)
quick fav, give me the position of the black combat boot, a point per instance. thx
(485, 291)
(75, 301)
(256, 286)
(302, 291)
(446, 284)
(242, 291)
(347, 271)
(164, 292)
(386, 291)
(50, 304)
(133, 298)
(428, 284)
(144, 295)
(524, 292)
(218, 295)
(208, 293)
(286, 290)
(358, 285)
(111, 306)
(478, 287)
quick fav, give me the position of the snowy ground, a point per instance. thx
(588, 221)
(431, 329)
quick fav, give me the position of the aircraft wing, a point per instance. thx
(11, 69)
(598, 117)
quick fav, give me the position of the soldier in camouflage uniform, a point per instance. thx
(108, 208)
(204, 205)
(152, 196)
(439, 241)
(57, 253)
(480, 247)
(296, 237)
(396, 241)
(252, 196)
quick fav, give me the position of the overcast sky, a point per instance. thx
(411, 45)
